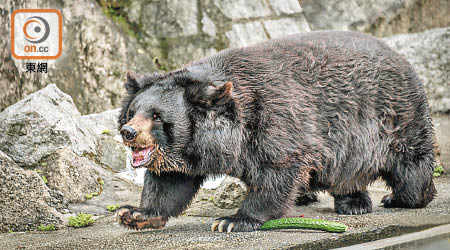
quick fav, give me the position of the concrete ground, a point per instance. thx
(193, 232)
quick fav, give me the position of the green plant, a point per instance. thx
(89, 196)
(438, 171)
(81, 220)
(44, 164)
(298, 223)
(49, 227)
(112, 208)
(44, 179)
(106, 132)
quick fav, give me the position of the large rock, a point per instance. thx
(429, 54)
(378, 17)
(104, 122)
(96, 54)
(111, 152)
(42, 123)
(230, 193)
(70, 174)
(25, 201)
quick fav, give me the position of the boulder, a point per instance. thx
(25, 201)
(96, 54)
(230, 194)
(104, 122)
(70, 174)
(429, 54)
(378, 17)
(111, 152)
(40, 124)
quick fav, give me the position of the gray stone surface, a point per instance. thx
(25, 201)
(115, 191)
(111, 153)
(242, 9)
(286, 26)
(208, 25)
(189, 52)
(378, 17)
(178, 32)
(100, 122)
(42, 123)
(168, 18)
(286, 6)
(429, 54)
(95, 57)
(71, 175)
(245, 34)
(203, 206)
(230, 193)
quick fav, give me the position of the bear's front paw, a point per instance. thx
(357, 203)
(138, 218)
(235, 224)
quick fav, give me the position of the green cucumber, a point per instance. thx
(299, 223)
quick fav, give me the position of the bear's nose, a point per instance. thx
(128, 133)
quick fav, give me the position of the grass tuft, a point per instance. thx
(81, 220)
(49, 227)
(112, 208)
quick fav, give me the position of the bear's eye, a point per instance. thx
(156, 117)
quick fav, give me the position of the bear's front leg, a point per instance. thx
(163, 196)
(269, 196)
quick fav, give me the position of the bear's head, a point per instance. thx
(165, 117)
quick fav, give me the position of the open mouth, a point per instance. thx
(141, 156)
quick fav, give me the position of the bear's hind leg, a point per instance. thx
(355, 203)
(411, 183)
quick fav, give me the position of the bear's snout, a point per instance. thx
(128, 133)
(137, 131)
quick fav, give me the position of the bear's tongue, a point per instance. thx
(141, 156)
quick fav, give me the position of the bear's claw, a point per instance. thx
(133, 218)
(235, 224)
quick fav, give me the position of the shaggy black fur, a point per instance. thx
(315, 111)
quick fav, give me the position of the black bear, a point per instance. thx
(316, 111)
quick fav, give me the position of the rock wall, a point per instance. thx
(377, 17)
(178, 32)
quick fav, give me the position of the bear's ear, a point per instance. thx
(132, 85)
(209, 94)
(222, 94)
